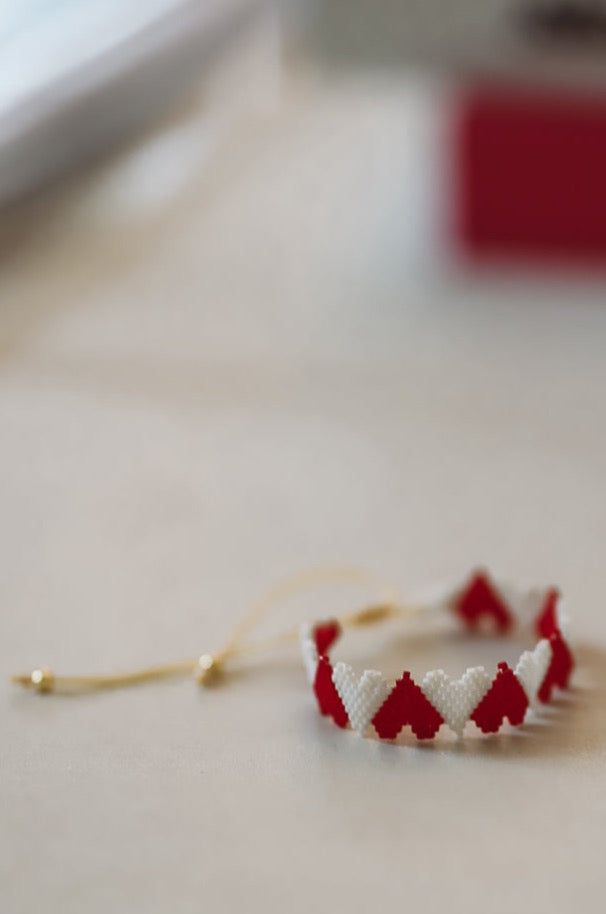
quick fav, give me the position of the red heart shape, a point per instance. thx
(329, 702)
(406, 704)
(479, 599)
(560, 668)
(325, 634)
(505, 699)
(547, 623)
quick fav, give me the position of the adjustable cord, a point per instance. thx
(209, 666)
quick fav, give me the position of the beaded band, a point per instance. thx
(370, 700)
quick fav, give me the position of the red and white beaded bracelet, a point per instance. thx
(371, 700)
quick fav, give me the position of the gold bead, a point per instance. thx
(207, 669)
(42, 680)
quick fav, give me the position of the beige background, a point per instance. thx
(208, 384)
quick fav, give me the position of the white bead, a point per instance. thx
(361, 697)
(309, 651)
(456, 700)
(531, 668)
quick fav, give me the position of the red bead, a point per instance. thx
(505, 699)
(329, 702)
(406, 704)
(560, 668)
(480, 599)
(325, 634)
(547, 622)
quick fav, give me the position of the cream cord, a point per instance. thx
(238, 644)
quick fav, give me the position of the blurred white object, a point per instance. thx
(75, 75)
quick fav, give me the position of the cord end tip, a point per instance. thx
(39, 680)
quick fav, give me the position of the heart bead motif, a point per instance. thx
(327, 696)
(361, 697)
(309, 651)
(479, 599)
(560, 667)
(325, 634)
(406, 705)
(488, 701)
(456, 699)
(532, 667)
(505, 698)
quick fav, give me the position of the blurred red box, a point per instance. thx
(530, 174)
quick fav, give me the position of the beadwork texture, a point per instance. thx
(456, 699)
(406, 705)
(486, 700)
(362, 697)
(532, 667)
(309, 652)
(329, 701)
(505, 699)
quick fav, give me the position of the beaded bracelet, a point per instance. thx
(370, 700)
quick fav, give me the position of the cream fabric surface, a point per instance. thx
(205, 389)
